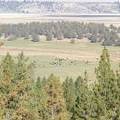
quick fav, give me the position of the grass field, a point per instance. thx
(61, 57)
(72, 68)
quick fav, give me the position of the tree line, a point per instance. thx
(23, 97)
(60, 30)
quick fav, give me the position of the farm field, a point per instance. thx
(61, 57)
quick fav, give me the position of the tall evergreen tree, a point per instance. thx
(106, 90)
(55, 102)
(41, 99)
(69, 93)
(6, 85)
(16, 98)
(81, 110)
(24, 90)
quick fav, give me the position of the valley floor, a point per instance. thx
(61, 57)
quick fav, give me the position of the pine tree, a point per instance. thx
(6, 85)
(23, 68)
(41, 99)
(69, 93)
(81, 110)
(78, 84)
(106, 91)
(55, 102)
(16, 96)
(24, 90)
(49, 36)
(35, 38)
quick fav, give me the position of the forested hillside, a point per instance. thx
(46, 7)
(22, 97)
(63, 30)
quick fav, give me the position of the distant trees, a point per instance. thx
(49, 36)
(35, 38)
(93, 38)
(110, 38)
(60, 30)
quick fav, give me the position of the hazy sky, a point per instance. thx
(88, 0)
(74, 0)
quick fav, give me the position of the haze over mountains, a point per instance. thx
(46, 7)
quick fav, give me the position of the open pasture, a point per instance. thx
(61, 57)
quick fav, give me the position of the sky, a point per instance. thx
(88, 0)
(73, 0)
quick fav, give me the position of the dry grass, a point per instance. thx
(47, 55)
(81, 50)
(15, 18)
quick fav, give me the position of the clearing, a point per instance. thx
(61, 57)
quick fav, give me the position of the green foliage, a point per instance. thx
(41, 99)
(6, 84)
(35, 38)
(69, 93)
(49, 36)
(24, 98)
(81, 108)
(93, 31)
(106, 91)
(55, 102)
(15, 88)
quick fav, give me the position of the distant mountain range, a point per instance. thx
(60, 8)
